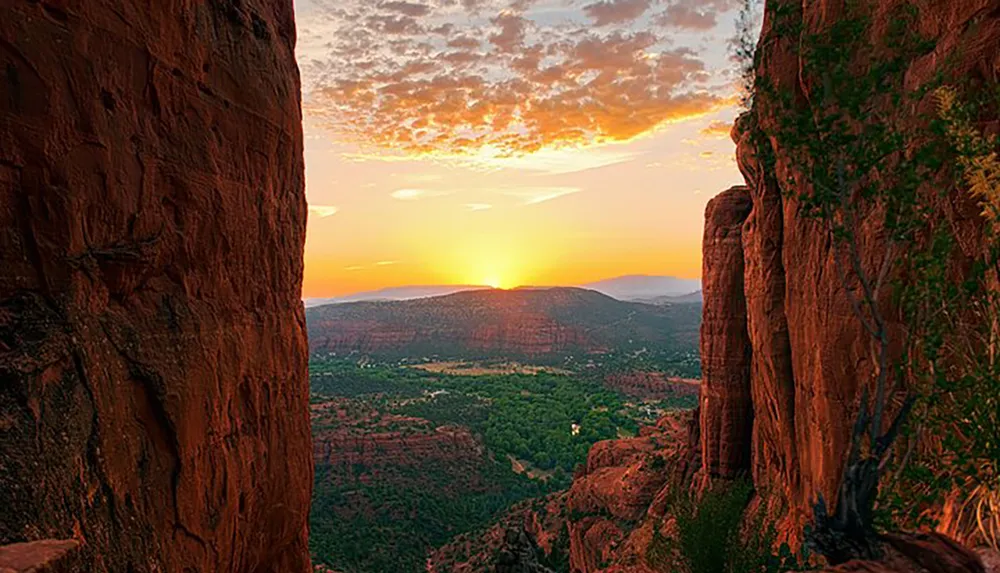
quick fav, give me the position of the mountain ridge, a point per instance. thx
(626, 287)
(547, 323)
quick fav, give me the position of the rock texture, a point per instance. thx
(46, 556)
(919, 553)
(727, 411)
(605, 521)
(652, 385)
(809, 356)
(153, 389)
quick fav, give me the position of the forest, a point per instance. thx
(401, 504)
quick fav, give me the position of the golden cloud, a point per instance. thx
(463, 76)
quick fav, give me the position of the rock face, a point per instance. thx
(808, 354)
(153, 388)
(919, 553)
(604, 522)
(395, 449)
(652, 385)
(727, 411)
(45, 556)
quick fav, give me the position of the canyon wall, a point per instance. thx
(809, 355)
(153, 385)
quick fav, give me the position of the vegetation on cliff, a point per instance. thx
(873, 152)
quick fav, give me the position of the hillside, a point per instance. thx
(537, 324)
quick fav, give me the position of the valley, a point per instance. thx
(571, 328)
(421, 440)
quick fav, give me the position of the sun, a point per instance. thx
(494, 282)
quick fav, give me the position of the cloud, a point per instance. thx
(701, 15)
(478, 206)
(535, 195)
(354, 268)
(616, 11)
(455, 77)
(411, 9)
(718, 129)
(386, 263)
(412, 194)
(323, 211)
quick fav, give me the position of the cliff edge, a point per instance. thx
(153, 384)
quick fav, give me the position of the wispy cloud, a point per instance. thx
(412, 194)
(478, 206)
(323, 211)
(718, 129)
(386, 263)
(535, 195)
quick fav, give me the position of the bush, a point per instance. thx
(710, 536)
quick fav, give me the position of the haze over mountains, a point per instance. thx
(645, 288)
(536, 323)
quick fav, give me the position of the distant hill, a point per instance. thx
(632, 288)
(522, 323)
(636, 287)
(395, 293)
(690, 298)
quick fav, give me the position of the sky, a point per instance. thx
(512, 142)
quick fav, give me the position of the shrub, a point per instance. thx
(715, 535)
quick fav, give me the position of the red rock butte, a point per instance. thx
(153, 384)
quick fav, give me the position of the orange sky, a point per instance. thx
(511, 142)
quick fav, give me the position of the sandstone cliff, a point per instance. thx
(808, 354)
(153, 389)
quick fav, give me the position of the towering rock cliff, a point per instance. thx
(153, 389)
(727, 411)
(809, 355)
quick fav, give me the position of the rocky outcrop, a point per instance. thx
(518, 554)
(652, 385)
(45, 556)
(153, 389)
(809, 355)
(918, 553)
(726, 409)
(396, 449)
(605, 521)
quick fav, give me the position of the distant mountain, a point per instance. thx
(636, 287)
(395, 293)
(690, 298)
(521, 323)
(630, 288)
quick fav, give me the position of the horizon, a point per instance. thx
(589, 285)
(440, 152)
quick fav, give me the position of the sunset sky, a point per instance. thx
(511, 142)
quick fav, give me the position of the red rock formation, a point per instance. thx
(153, 391)
(652, 385)
(918, 553)
(608, 514)
(726, 409)
(395, 449)
(46, 556)
(810, 355)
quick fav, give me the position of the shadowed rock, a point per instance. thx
(47, 556)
